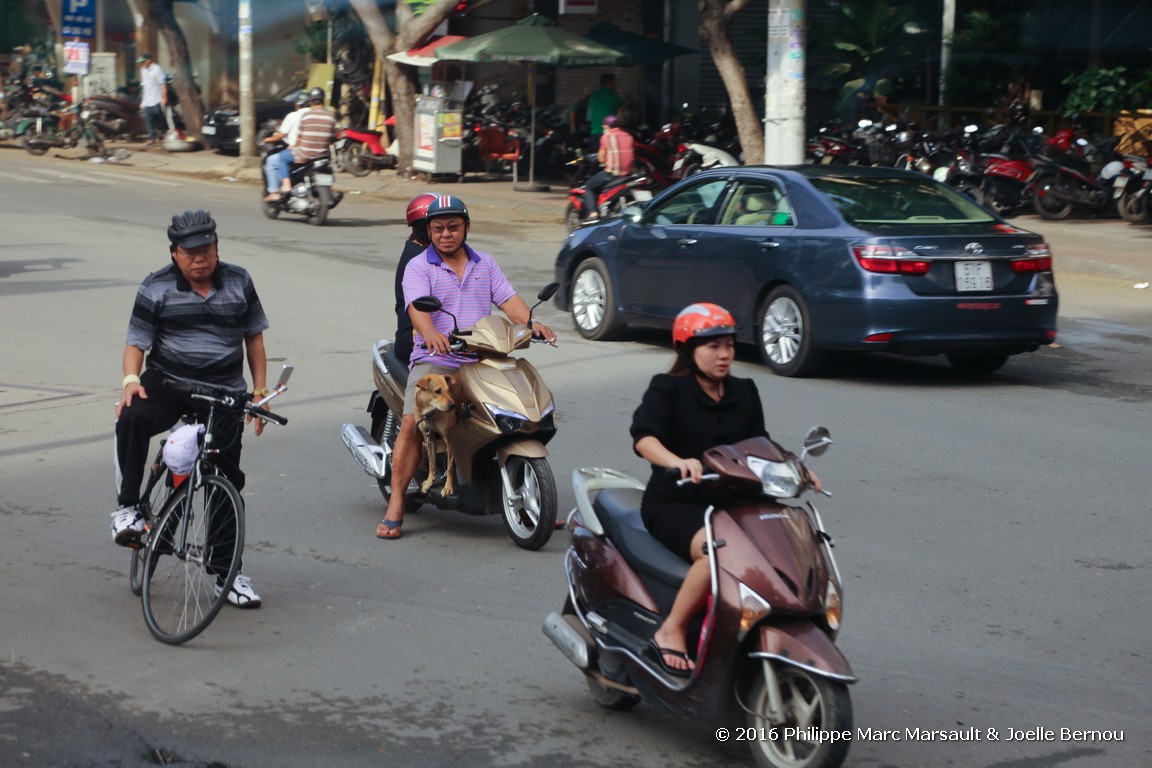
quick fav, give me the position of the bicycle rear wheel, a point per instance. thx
(193, 556)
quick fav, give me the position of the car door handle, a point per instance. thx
(686, 241)
(769, 243)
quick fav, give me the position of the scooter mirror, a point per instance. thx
(817, 441)
(285, 374)
(427, 304)
(548, 291)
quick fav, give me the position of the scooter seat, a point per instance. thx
(619, 513)
(396, 367)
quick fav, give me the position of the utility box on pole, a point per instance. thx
(784, 93)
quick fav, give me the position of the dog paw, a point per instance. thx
(427, 486)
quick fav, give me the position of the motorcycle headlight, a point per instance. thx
(778, 479)
(85, 114)
(752, 609)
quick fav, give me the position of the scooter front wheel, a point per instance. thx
(528, 502)
(812, 705)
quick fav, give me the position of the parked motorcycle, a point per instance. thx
(116, 116)
(766, 657)
(1080, 176)
(1132, 190)
(361, 151)
(612, 200)
(40, 130)
(507, 418)
(311, 195)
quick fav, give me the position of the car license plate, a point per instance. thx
(973, 276)
(324, 179)
(208, 130)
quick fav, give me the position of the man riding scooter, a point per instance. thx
(615, 156)
(315, 135)
(468, 283)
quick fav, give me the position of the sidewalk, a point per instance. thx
(476, 190)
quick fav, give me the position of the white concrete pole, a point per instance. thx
(247, 102)
(947, 31)
(784, 94)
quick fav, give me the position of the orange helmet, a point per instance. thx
(702, 321)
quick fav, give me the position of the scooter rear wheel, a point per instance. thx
(810, 702)
(354, 160)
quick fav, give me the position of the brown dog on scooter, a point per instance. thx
(437, 397)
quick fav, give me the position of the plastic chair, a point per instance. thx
(498, 148)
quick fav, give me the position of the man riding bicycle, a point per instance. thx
(195, 320)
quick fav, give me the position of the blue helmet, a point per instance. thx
(447, 205)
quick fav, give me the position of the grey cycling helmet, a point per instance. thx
(192, 229)
(316, 96)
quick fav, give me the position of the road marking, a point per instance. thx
(134, 177)
(56, 176)
(22, 178)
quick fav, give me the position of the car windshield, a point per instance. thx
(896, 201)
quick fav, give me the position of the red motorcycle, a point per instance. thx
(766, 659)
(612, 200)
(360, 151)
(1079, 175)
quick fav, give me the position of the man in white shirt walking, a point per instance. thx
(154, 94)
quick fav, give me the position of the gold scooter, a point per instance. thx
(507, 417)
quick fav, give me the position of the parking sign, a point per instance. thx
(78, 18)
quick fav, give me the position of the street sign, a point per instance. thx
(76, 58)
(78, 18)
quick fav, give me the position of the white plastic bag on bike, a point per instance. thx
(182, 447)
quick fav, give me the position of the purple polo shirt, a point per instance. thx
(469, 299)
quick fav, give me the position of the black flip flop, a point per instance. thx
(673, 671)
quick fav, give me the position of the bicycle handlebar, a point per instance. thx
(224, 397)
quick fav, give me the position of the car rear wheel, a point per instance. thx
(977, 365)
(786, 334)
(594, 303)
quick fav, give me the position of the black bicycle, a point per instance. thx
(194, 524)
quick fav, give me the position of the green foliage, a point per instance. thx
(866, 36)
(986, 58)
(1105, 90)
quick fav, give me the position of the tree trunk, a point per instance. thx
(187, 92)
(402, 78)
(715, 29)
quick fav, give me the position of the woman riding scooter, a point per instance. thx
(693, 407)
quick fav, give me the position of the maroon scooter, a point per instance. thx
(612, 200)
(765, 654)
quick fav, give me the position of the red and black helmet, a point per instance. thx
(418, 208)
(701, 321)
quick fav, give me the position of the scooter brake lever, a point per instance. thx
(719, 543)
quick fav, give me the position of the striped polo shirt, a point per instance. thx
(317, 131)
(469, 299)
(193, 337)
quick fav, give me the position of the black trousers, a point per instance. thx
(592, 189)
(145, 419)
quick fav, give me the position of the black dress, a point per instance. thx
(678, 413)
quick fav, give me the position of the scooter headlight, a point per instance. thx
(510, 422)
(778, 479)
(752, 609)
(833, 607)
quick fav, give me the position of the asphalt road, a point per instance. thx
(992, 533)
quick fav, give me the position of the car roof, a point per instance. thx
(810, 171)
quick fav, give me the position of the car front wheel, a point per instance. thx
(786, 334)
(594, 303)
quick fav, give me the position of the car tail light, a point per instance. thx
(890, 260)
(1038, 258)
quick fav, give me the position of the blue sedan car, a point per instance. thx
(818, 259)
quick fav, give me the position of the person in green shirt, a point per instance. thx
(602, 102)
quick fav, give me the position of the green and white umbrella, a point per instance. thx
(534, 40)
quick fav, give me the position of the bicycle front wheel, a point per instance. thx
(193, 556)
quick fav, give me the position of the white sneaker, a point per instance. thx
(127, 527)
(242, 595)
